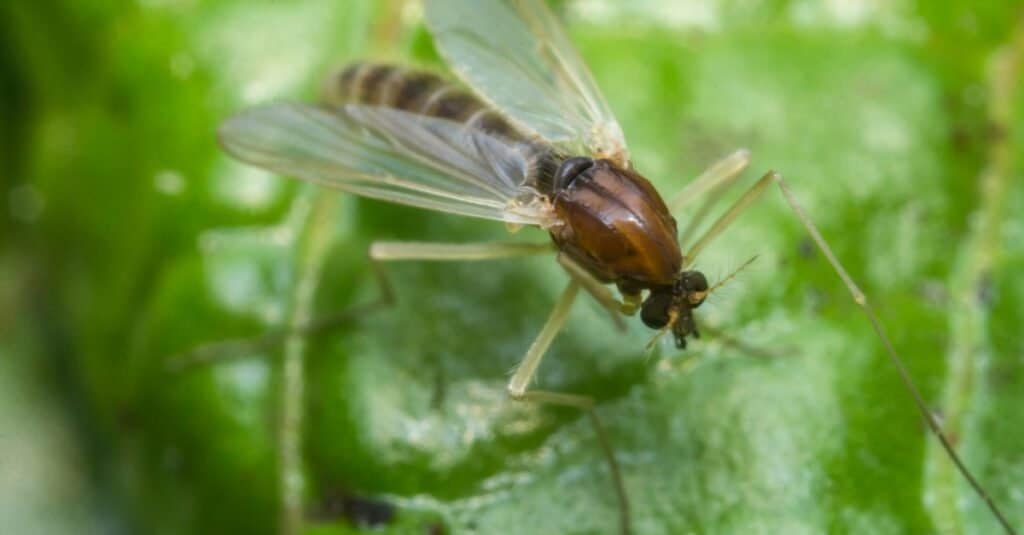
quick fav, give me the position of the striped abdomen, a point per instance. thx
(414, 91)
(426, 93)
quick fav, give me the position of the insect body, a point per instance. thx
(528, 141)
(608, 218)
(618, 228)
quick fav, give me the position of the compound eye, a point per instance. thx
(570, 170)
(694, 281)
(654, 311)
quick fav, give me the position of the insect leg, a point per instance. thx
(517, 390)
(528, 366)
(738, 344)
(386, 251)
(862, 301)
(379, 253)
(729, 216)
(598, 291)
(720, 174)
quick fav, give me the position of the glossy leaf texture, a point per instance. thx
(133, 240)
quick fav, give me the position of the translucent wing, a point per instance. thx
(390, 155)
(515, 54)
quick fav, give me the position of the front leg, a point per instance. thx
(531, 360)
(600, 292)
(527, 369)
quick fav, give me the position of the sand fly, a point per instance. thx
(523, 137)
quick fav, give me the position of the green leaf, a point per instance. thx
(894, 123)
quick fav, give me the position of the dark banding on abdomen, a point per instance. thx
(415, 91)
(425, 93)
(416, 88)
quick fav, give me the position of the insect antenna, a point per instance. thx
(732, 275)
(734, 342)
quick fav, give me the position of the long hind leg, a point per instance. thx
(862, 301)
(719, 174)
(383, 252)
(518, 389)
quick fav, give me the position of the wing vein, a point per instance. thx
(390, 155)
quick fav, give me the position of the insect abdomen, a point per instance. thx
(419, 92)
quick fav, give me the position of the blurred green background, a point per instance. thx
(129, 239)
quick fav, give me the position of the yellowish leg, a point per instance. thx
(524, 374)
(381, 252)
(597, 290)
(861, 300)
(378, 253)
(720, 174)
(719, 178)
(531, 360)
(729, 216)
(385, 251)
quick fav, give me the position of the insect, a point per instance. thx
(528, 140)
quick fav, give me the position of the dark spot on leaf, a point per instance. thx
(435, 528)
(1003, 375)
(437, 399)
(360, 511)
(960, 138)
(995, 132)
(806, 248)
(934, 292)
(985, 290)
